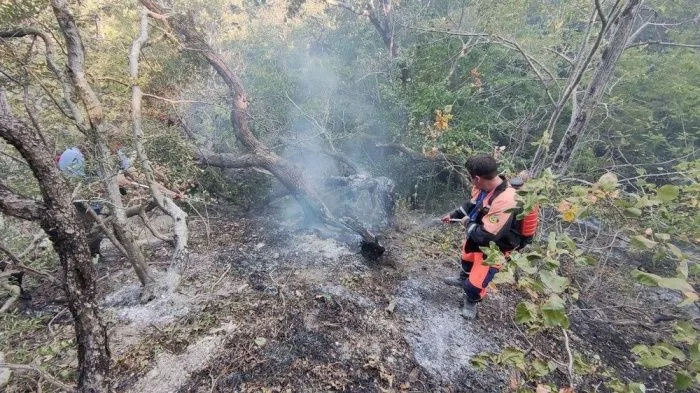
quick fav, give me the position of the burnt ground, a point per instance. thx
(266, 307)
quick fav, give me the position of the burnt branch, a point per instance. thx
(289, 175)
(228, 160)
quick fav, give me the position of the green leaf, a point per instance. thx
(683, 269)
(641, 242)
(525, 265)
(633, 211)
(480, 361)
(676, 283)
(570, 244)
(685, 332)
(447, 109)
(514, 357)
(683, 381)
(662, 236)
(505, 276)
(553, 281)
(645, 278)
(541, 368)
(525, 312)
(671, 350)
(636, 388)
(553, 312)
(675, 251)
(652, 361)
(640, 350)
(527, 282)
(695, 352)
(667, 193)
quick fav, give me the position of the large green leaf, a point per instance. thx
(676, 283)
(636, 388)
(685, 332)
(554, 313)
(645, 278)
(695, 352)
(641, 242)
(542, 368)
(671, 350)
(525, 312)
(667, 193)
(505, 276)
(640, 350)
(513, 357)
(683, 381)
(554, 282)
(653, 361)
(524, 264)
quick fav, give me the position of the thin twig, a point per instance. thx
(222, 276)
(18, 264)
(54, 318)
(50, 379)
(571, 358)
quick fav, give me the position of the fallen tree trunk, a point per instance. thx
(262, 156)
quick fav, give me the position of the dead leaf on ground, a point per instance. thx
(543, 389)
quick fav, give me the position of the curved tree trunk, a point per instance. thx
(63, 226)
(288, 174)
(594, 91)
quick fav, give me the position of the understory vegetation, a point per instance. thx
(271, 141)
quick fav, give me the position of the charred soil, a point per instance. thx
(264, 306)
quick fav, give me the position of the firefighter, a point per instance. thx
(487, 217)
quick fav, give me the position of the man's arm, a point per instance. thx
(463, 210)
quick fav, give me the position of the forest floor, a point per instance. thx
(264, 307)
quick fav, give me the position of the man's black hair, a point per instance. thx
(483, 166)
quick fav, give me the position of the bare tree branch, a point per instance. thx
(179, 217)
(601, 15)
(18, 206)
(662, 43)
(50, 379)
(17, 263)
(228, 160)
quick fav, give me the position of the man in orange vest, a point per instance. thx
(487, 217)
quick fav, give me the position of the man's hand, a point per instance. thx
(464, 221)
(446, 219)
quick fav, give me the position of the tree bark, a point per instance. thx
(584, 109)
(62, 224)
(97, 134)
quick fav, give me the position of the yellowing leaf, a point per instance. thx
(569, 216)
